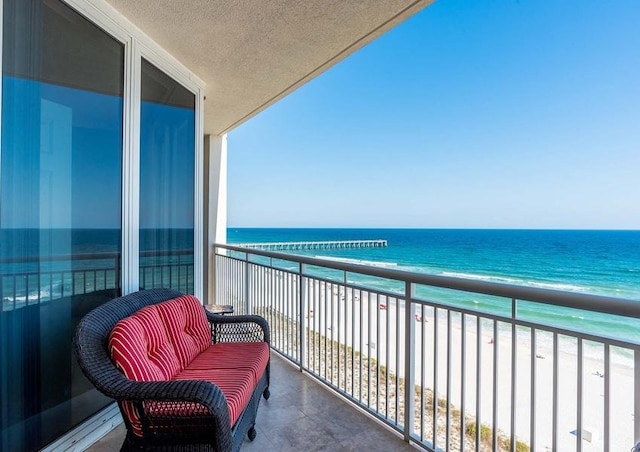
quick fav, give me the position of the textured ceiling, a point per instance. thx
(251, 53)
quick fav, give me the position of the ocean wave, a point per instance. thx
(521, 282)
(21, 300)
(348, 260)
(33, 296)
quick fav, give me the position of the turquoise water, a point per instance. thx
(592, 262)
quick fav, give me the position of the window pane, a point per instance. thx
(167, 165)
(60, 211)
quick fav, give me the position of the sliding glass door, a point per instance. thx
(86, 120)
(60, 211)
(167, 168)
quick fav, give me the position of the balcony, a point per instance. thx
(505, 370)
(530, 384)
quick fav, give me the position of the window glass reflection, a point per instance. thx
(167, 165)
(60, 211)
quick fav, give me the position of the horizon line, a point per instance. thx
(474, 228)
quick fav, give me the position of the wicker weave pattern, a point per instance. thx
(238, 328)
(166, 426)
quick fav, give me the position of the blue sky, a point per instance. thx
(472, 113)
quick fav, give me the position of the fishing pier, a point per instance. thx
(326, 245)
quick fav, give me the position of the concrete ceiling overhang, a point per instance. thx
(251, 53)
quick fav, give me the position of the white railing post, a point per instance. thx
(636, 397)
(514, 371)
(247, 287)
(302, 338)
(409, 361)
(211, 279)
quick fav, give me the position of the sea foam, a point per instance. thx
(348, 260)
(517, 281)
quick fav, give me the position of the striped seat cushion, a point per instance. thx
(140, 347)
(232, 355)
(237, 385)
(187, 327)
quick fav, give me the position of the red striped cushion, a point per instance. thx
(140, 348)
(236, 384)
(187, 327)
(232, 355)
(134, 418)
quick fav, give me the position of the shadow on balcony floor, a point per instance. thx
(301, 415)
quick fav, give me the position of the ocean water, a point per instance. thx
(598, 262)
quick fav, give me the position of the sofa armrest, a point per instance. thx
(239, 328)
(173, 405)
(198, 391)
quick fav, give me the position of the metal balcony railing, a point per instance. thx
(32, 280)
(450, 363)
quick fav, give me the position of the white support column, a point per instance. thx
(199, 196)
(130, 278)
(215, 205)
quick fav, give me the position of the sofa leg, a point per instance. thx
(252, 433)
(266, 394)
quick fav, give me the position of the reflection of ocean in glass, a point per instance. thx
(93, 263)
(52, 179)
(60, 212)
(171, 266)
(167, 165)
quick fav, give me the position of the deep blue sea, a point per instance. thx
(599, 262)
(596, 262)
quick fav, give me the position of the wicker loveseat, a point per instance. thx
(183, 378)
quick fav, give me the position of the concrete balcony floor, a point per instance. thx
(301, 415)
